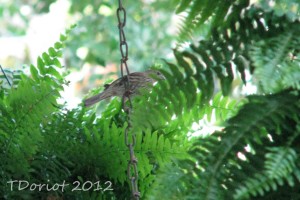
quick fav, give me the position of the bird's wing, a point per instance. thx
(136, 79)
(120, 81)
(115, 83)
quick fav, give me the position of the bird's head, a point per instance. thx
(155, 74)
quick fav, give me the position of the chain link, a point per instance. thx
(130, 139)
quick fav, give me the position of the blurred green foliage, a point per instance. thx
(221, 47)
(147, 32)
(12, 10)
(97, 30)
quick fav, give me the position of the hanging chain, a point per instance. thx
(132, 171)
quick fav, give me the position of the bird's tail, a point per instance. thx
(94, 99)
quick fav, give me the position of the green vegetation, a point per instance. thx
(253, 155)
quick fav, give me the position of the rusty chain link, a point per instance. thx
(132, 171)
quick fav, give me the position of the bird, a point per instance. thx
(137, 80)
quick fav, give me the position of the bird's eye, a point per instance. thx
(158, 73)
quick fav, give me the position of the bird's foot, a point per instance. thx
(127, 93)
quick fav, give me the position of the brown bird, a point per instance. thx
(117, 88)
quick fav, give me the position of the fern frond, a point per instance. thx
(218, 13)
(217, 169)
(274, 67)
(100, 148)
(9, 79)
(280, 161)
(280, 166)
(24, 111)
(290, 8)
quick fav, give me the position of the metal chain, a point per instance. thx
(132, 171)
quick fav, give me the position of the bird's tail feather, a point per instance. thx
(94, 99)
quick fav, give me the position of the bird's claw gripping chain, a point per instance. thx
(128, 93)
